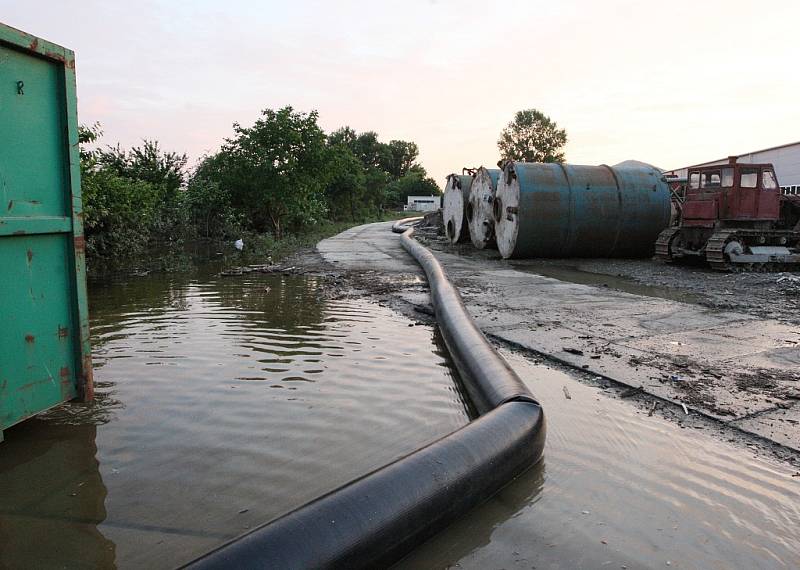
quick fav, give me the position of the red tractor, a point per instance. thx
(734, 216)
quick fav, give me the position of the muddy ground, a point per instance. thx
(767, 295)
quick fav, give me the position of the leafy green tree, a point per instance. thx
(378, 189)
(532, 137)
(209, 209)
(346, 189)
(402, 155)
(416, 182)
(88, 136)
(124, 196)
(343, 136)
(148, 163)
(118, 213)
(383, 163)
(371, 151)
(276, 170)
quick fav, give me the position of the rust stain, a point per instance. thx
(70, 63)
(30, 256)
(64, 373)
(34, 44)
(63, 332)
(88, 379)
(80, 244)
(29, 338)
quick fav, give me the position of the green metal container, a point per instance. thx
(45, 356)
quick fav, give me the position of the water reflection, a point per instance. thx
(223, 403)
(52, 498)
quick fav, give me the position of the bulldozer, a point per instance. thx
(734, 217)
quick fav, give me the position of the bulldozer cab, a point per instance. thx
(731, 192)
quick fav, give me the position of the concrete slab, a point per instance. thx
(779, 425)
(779, 358)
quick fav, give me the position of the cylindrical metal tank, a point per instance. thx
(456, 196)
(562, 210)
(479, 207)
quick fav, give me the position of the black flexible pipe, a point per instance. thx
(489, 379)
(378, 518)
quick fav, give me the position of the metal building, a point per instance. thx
(423, 203)
(785, 158)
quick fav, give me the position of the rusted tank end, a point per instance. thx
(479, 207)
(454, 216)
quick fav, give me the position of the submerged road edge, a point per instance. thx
(380, 517)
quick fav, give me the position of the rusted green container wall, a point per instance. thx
(44, 329)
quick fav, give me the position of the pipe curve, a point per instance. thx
(377, 519)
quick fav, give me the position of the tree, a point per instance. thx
(344, 136)
(347, 185)
(209, 209)
(275, 171)
(147, 163)
(532, 137)
(402, 155)
(118, 213)
(128, 196)
(371, 151)
(416, 182)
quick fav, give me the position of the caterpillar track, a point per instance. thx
(719, 260)
(664, 243)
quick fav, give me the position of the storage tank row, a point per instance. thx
(558, 210)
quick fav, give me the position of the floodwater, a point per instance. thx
(225, 402)
(572, 274)
(620, 489)
(222, 403)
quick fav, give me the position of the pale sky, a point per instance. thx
(670, 83)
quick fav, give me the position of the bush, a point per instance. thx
(119, 214)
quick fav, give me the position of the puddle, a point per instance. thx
(617, 283)
(620, 489)
(222, 403)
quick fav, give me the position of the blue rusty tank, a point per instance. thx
(563, 210)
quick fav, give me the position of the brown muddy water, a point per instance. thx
(572, 274)
(222, 403)
(620, 489)
(225, 402)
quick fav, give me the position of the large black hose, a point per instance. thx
(489, 379)
(378, 518)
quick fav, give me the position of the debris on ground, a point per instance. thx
(631, 392)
